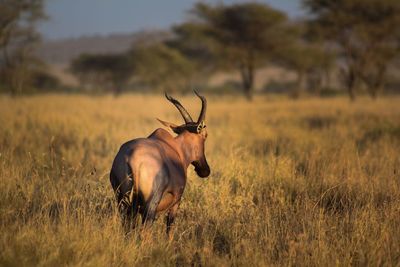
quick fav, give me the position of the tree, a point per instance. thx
(244, 36)
(309, 58)
(44, 80)
(192, 42)
(18, 37)
(112, 70)
(306, 60)
(365, 32)
(161, 67)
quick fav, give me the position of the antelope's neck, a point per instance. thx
(184, 150)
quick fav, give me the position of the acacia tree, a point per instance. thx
(191, 41)
(309, 58)
(310, 63)
(365, 32)
(161, 67)
(241, 36)
(18, 37)
(110, 70)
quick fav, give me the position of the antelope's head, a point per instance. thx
(194, 135)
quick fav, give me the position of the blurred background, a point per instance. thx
(291, 47)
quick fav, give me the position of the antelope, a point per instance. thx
(149, 175)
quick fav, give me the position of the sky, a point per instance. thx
(75, 18)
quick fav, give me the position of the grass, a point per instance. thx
(313, 182)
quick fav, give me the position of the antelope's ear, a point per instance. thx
(201, 126)
(175, 128)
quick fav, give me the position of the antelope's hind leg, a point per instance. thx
(170, 218)
(150, 210)
(128, 212)
(127, 204)
(121, 179)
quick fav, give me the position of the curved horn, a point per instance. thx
(181, 109)
(202, 115)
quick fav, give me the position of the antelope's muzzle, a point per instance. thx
(201, 168)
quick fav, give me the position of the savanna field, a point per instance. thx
(312, 182)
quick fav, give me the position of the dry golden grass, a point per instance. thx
(309, 182)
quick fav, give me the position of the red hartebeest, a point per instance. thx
(149, 174)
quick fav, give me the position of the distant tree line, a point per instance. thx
(356, 40)
(360, 38)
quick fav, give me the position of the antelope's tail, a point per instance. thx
(122, 179)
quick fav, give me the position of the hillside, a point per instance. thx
(64, 50)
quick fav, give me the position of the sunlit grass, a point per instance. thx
(310, 182)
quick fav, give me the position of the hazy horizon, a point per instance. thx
(68, 20)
